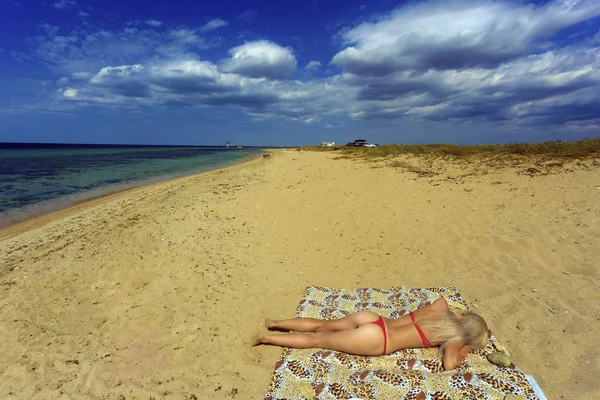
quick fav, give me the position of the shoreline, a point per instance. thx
(155, 292)
(41, 213)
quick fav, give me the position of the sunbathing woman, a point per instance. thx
(368, 334)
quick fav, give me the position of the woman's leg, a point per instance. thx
(367, 340)
(352, 321)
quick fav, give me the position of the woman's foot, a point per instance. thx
(271, 325)
(257, 339)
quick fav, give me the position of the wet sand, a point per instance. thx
(155, 291)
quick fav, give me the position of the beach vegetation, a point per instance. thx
(574, 149)
(429, 160)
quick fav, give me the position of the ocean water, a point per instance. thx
(38, 180)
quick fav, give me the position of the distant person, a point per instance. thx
(245, 153)
(367, 334)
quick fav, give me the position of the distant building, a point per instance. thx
(328, 144)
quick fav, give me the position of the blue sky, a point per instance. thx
(298, 72)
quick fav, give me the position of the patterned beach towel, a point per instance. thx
(415, 374)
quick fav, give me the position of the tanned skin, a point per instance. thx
(356, 334)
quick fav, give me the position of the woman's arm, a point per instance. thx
(454, 353)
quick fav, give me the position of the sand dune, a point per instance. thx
(154, 292)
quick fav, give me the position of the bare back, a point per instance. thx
(402, 333)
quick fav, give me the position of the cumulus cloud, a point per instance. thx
(124, 80)
(492, 61)
(153, 22)
(313, 65)
(190, 77)
(456, 34)
(556, 87)
(214, 24)
(503, 94)
(464, 60)
(261, 59)
(197, 83)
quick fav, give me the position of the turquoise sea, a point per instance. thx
(38, 179)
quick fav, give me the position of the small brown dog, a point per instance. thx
(267, 155)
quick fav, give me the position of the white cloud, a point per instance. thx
(63, 4)
(126, 80)
(214, 24)
(63, 80)
(153, 22)
(556, 87)
(550, 88)
(313, 65)
(402, 65)
(504, 94)
(261, 59)
(123, 81)
(120, 71)
(456, 34)
(69, 93)
(83, 14)
(465, 60)
(196, 83)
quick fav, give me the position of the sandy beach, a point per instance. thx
(154, 292)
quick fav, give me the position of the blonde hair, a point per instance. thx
(458, 326)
